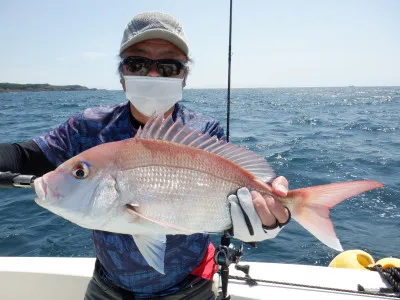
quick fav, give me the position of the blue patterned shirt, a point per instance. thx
(122, 264)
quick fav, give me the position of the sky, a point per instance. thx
(287, 43)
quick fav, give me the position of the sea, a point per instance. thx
(311, 136)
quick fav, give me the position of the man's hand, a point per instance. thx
(256, 218)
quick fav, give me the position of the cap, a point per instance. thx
(154, 25)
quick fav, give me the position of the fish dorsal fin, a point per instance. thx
(159, 128)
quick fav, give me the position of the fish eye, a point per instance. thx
(81, 171)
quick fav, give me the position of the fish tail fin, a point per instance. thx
(311, 207)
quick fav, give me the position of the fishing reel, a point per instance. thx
(225, 255)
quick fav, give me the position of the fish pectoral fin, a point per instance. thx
(132, 210)
(153, 250)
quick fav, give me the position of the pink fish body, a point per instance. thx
(171, 179)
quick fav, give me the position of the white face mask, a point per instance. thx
(152, 95)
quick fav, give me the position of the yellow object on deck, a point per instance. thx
(389, 262)
(352, 259)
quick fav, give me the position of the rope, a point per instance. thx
(391, 275)
(381, 292)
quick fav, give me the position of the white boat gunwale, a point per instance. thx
(67, 278)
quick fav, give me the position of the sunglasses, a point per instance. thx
(141, 65)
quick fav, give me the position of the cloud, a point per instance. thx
(94, 54)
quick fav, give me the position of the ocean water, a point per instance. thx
(310, 135)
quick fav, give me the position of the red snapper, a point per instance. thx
(172, 179)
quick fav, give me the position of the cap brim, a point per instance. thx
(156, 34)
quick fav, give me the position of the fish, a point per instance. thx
(171, 179)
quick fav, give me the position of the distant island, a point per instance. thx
(16, 87)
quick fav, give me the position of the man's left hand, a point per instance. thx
(256, 218)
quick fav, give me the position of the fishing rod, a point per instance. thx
(16, 180)
(226, 254)
(228, 102)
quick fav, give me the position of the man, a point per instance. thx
(153, 69)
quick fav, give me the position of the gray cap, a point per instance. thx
(154, 25)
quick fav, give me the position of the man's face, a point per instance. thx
(154, 49)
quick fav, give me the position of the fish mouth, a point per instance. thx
(43, 191)
(40, 189)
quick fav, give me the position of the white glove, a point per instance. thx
(247, 225)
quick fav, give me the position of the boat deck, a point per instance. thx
(66, 278)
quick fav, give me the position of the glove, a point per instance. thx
(247, 225)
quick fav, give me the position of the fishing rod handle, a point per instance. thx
(16, 180)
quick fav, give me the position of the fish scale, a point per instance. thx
(183, 202)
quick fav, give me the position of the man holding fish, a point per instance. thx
(152, 178)
(153, 69)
